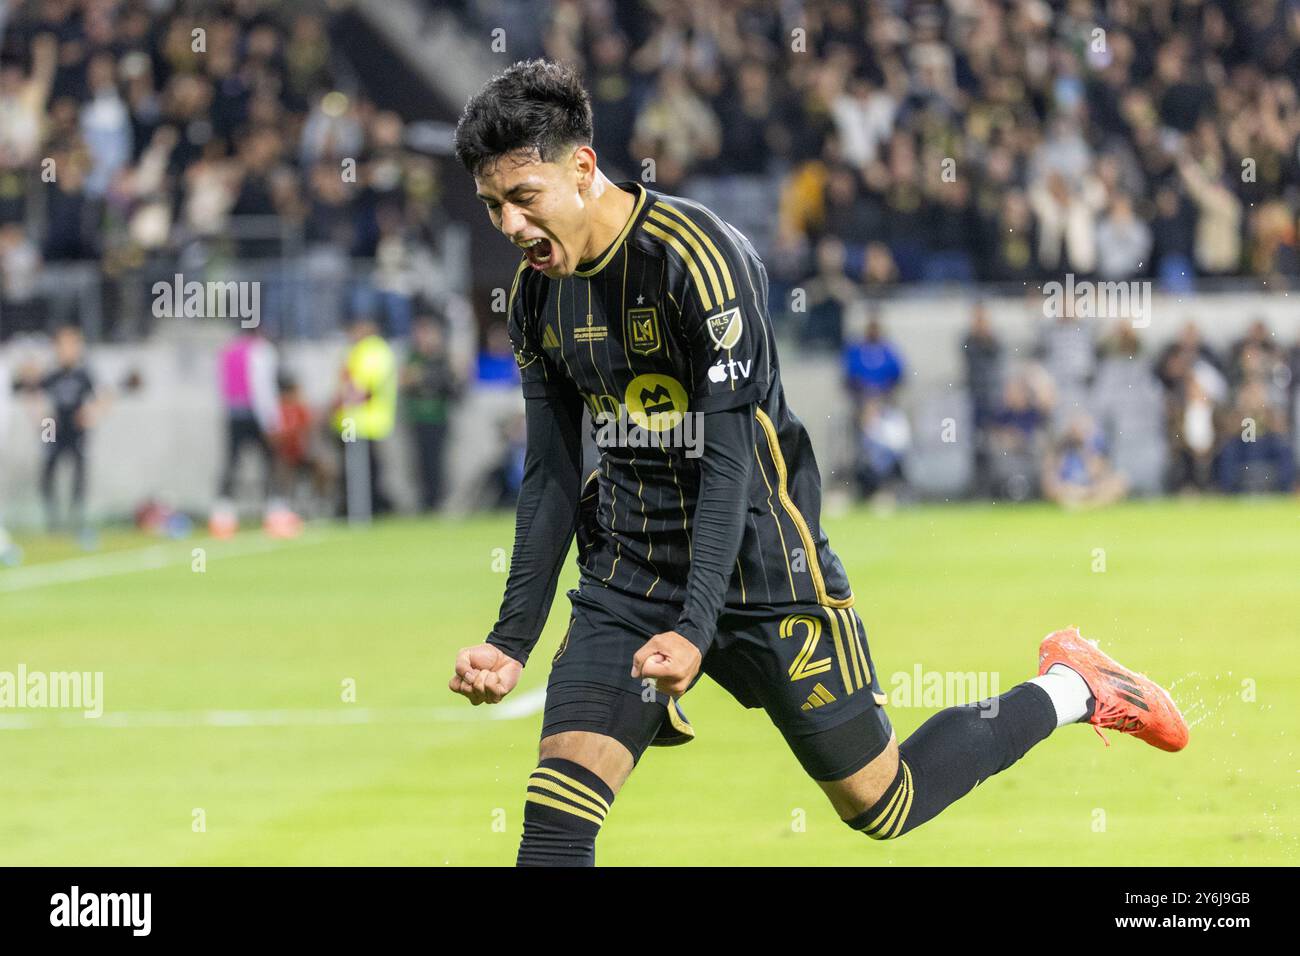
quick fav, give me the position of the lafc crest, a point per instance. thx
(724, 328)
(643, 334)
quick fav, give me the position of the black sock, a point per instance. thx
(952, 753)
(563, 811)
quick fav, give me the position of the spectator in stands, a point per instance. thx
(1218, 223)
(1174, 239)
(429, 394)
(1195, 390)
(872, 366)
(1069, 355)
(22, 103)
(1066, 217)
(1017, 437)
(677, 125)
(1123, 242)
(1274, 253)
(105, 125)
(1257, 455)
(20, 269)
(496, 359)
(829, 293)
(1077, 473)
(884, 437)
(500, 486)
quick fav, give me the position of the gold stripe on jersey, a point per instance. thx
(862, 645)
(794, 594)
(810, 546)
(704, 237)
(855, 649)
(841, 654)
(682, 251)
(618, 545)
(701, 255)
(617, 244)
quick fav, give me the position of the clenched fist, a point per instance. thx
(484, 674)
(671, 660)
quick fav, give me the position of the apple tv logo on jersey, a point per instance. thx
(733, 370)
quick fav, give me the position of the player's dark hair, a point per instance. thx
(534, 104)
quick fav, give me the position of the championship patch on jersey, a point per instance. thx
(724, 328)
(643, 330)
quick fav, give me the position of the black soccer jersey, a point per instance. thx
(669, 323)
(69, 389)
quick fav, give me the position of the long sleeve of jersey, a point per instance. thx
(544, 521)
(719, 522)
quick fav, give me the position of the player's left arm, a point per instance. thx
(722, 298)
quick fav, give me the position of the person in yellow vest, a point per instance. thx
(365, 413)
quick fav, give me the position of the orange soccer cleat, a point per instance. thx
(1124, 700)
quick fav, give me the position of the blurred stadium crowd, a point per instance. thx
(872, 150)
(1044, 423)
(1106, 138)
(148, 137)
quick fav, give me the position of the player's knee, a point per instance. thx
(564, 809)
(887, 816)
(606, 757)
(856, 793)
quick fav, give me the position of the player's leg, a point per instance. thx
(960, 747)
(947, 757)
(812, 672)
(78, 510)
(53, 452)
(597, 723)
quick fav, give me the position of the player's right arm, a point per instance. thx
(545, 520)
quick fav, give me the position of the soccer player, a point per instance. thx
(646, 309)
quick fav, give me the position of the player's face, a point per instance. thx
(540, 207)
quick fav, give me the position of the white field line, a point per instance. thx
(140, 559)
(524, 705)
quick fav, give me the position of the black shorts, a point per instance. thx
(807, 666)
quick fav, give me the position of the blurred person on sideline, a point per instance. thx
(10, 553)
(1077, 473)
(982, 354)
(74, 408)
(295, 459)
(366, 407)
(246, 369)
(429, 391)
(501, 483)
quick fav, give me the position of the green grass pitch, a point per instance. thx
(223, 694)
